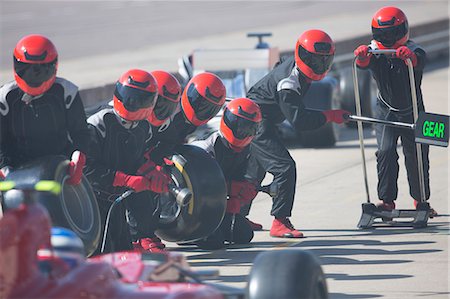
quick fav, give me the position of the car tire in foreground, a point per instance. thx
(286, 274)
(75, 208)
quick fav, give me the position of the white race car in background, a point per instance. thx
(241, 68)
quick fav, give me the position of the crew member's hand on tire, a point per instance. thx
(159, 180)
(135, 182)
(4, 172)
(76, 165)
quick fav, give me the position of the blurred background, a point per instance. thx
(98, 40)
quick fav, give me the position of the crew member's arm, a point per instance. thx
(5, 160)
(100, 176)
(77, 125)
(304, 119)
(293, 108)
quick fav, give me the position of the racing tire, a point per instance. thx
(321, 95)
(195, 169)
(75, 208)
(367, 91)
(286, 274)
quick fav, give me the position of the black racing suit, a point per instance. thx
(168, 136)
(234, 228)
(120, 146)
(53, 123)
(394, 104)
(280, 94)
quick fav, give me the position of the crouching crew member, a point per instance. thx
(41, 114)
(230, 147)
(202, 99)
(116, 164)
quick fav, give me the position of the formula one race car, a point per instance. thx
(25, 231)
(241, 68)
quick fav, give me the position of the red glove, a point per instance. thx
(168, 162)
(4, 172)
(156, 175)
(76, 165)
(159, 180)
(137, 183)
(362, 52)
(146, 167)
(404, 53)
(245, 191)
(336, 116)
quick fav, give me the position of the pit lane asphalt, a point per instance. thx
(382, 263)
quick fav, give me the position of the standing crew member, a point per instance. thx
(41, 114)
(280, 94)
(390, 31)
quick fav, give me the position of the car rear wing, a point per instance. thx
(234, 59)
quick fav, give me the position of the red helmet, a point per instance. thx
(240, 122)
(390, 27)
(135, 95)
(35, 64)
(169, 92)
(202, 98)
(314, 53)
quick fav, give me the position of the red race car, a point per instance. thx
(25, 230)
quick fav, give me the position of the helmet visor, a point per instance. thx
(241, 127)
(319, 63)
(34, 74)
(134, 99)
(203, 108)
(164, 108)
(390, 35)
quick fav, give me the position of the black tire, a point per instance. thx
(347, 89)
(76, 207)
(197, 170)
(321, 95)
(286, 274)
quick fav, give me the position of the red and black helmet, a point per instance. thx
(169, 94)
(202, 98)
(314, 53)
(135, 95)
(390, 28)
(35, 64)
(240, 122)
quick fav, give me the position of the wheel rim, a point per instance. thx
(82, 207)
